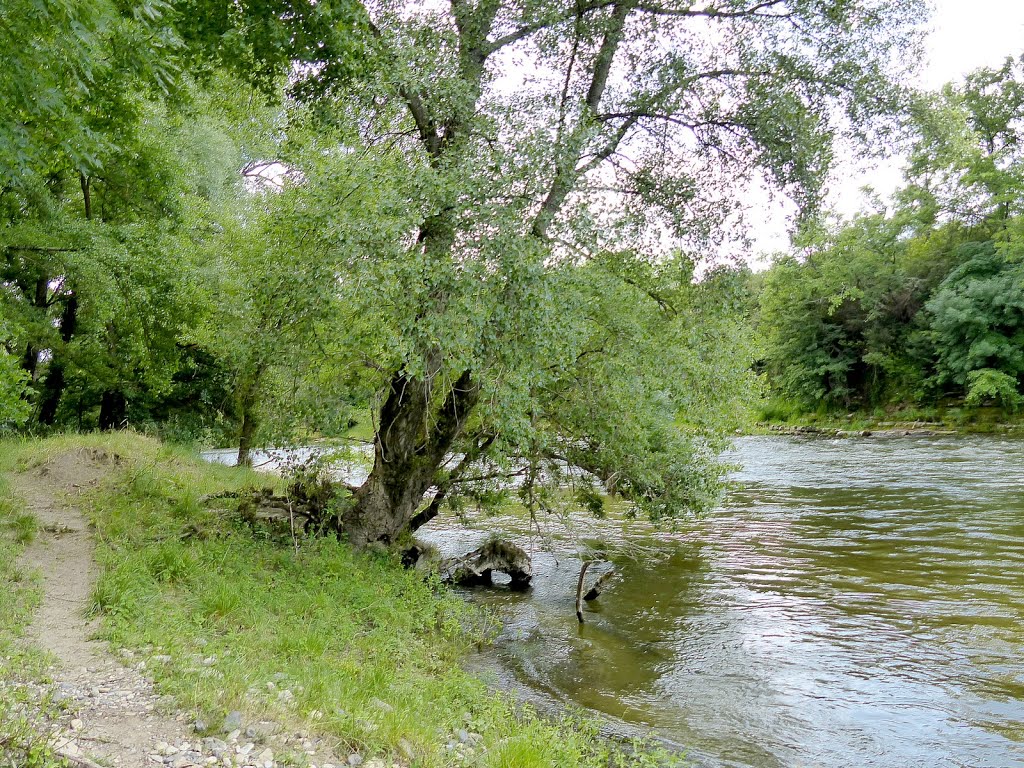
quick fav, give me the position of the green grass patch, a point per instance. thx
(982, 419)
(345, 645)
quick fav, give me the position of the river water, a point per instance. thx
(851, 603)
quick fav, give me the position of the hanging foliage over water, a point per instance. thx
(273, 212)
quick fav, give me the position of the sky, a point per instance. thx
(965, 35)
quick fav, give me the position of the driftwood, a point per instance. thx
(288, 512)
(312, 500)
(595, 590)
(599, 586)
(476, 567)
(579, 591)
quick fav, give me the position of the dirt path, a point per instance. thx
(116, 718)
(120, 721)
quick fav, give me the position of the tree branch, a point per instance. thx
(431, 511)
(526, 30)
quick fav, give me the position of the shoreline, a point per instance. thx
(883, 429)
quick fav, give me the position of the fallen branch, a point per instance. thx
(598, 587)
(579, 591)
(476, 567)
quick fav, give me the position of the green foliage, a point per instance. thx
(989, 385)
(66, 95)
(27, 735)
(966, 164)
(428, 225)
(978, 322)
(925, 302)
(838, 327)
(14, 408)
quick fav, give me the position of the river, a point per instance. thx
(851, 603)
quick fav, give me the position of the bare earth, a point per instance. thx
(120, 720)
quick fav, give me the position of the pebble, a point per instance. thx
(77, 725)
(232, 721)
(184, 760)
(215, 746)
(355, 759)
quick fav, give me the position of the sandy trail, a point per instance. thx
(120, 718)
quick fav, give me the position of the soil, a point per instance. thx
(120, 719)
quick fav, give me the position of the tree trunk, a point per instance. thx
(247, 392)
(113, 410)
(413, 440)
(53, 388)
(53, 385)
(246, 435)
(39, 299)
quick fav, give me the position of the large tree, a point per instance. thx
(536, 158)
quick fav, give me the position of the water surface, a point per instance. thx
(851, 603)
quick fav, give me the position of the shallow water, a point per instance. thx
(851, 603)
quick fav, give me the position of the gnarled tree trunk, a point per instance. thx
(412, 442)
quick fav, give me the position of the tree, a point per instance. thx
(977, 326)
(270, 318)
(840, 324)
(634, 125)
(966, 164)
(114, 161)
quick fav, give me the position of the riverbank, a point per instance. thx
(778, 418)
(266, 649)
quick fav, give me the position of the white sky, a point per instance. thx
(965, 35)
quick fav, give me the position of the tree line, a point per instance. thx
(920, 302)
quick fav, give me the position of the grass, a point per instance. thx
(310, 634)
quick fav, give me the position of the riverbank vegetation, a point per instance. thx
(239, 225)
(915, 311)
(300, 634)
(478, 239)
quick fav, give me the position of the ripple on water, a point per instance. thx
(852, 603)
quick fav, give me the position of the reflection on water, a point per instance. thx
(852, 603)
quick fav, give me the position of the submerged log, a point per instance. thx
(599, 586)
(477, 567)
(595, 589)
(579, 591)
